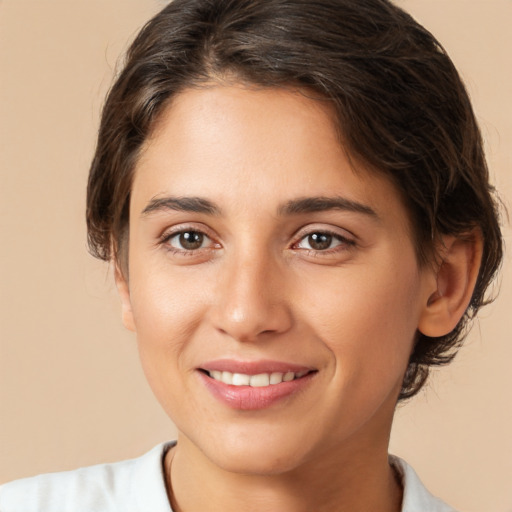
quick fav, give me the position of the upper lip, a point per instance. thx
(253, 367)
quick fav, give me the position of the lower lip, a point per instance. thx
(249, 398)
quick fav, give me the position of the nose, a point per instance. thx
(252, 302)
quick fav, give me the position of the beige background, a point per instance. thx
(71, 390)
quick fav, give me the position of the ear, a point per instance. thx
(124, 294)
(455, 281)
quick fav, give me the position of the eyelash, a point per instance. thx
(345, 243)
(165, 240)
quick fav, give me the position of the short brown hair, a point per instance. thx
(400, 103)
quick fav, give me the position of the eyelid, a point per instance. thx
(335, 231)
(177, 229)
(183, 227)
(347, 242)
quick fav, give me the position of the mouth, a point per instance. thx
(254, 385)
(259, 380)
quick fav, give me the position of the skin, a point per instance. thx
(257, 289)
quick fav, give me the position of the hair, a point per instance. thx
(401, 108)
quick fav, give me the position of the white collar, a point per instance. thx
(416, 498)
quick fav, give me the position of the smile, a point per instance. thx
(254, 385)
(255, 381)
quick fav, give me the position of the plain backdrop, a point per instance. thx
(71, 390)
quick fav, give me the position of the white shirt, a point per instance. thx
(138, 485)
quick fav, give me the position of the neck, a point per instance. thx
(341, 481)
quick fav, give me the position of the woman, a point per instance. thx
(295, 198)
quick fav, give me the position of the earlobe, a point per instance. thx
(455, 281)
(124, 294)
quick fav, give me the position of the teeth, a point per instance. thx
(255, 381)
(276, 378)
(287, 377)
(239, 379)
(227, 377)
(216, 375)
(260, 381)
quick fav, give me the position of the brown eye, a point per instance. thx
(323, 241)
(320, 241)
(188, 240)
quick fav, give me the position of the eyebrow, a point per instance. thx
(181, 204)
(292, 207)
(319, 204)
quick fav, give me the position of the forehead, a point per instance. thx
(253, 149)
(247, 128)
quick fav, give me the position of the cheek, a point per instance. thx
(367, 317)
(167, 310)
(165, 304)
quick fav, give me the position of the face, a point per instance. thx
(273, 284)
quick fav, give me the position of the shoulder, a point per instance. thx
(416, 497)
(131, 486)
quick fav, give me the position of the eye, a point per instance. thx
(188, 240)
(322, 241)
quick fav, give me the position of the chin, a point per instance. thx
(260, 464)
(264, 454)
